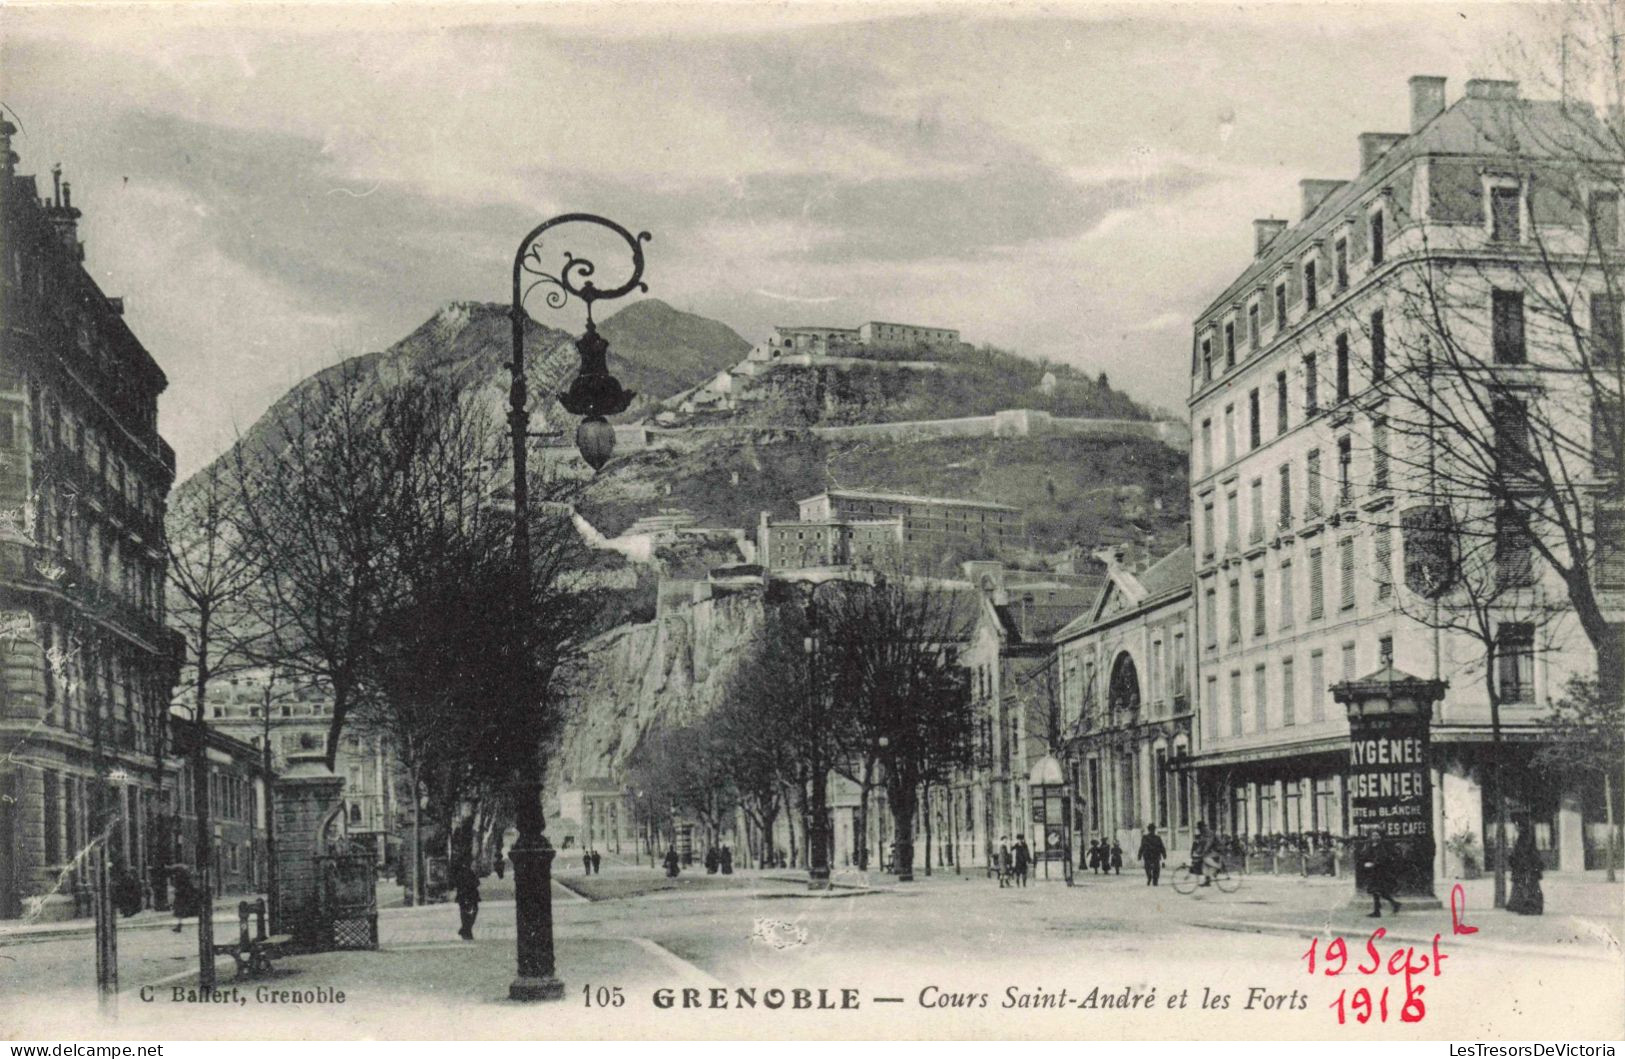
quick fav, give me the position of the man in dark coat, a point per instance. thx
(597, 862)
(726, 859)
(670, 861)
(1379, 859)
(1024, 860)
(466, 885)
(1526, 899)
(498, 861)
(711, 860)
(1117, 858)
(1151, 855)
(586, 861)
(185, 902)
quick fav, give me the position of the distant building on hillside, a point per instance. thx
(930, 523)
(827, 542)
(821, 341)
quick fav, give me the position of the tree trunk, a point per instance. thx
(903, 798)
(1497, 777)
(929, 850)
(1608, 816)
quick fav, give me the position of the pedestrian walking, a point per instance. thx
(499, 863)
(466, 885)
(1379, 860)
(1001, 863)
(670, 861)
(711, 860)
(1094, 855)
(597, 862)
(586, 861)
(185, 903)
(1526, 898)
(726, 858)
(1024, 860)
(1151, 855)
(1117, 858)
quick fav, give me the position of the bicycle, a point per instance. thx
(1187, 882)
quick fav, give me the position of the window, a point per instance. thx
(1258, 603)
(1255, 421)
(1379, 346)
(1229, 433)
(1310, 293)
(1385, 562)
(1235, 702)
(1232, 519)
(1254, 338)
(1345, 562)
(1385, 650)
(1210, 617)
(1317, 584)
(1515, 661)
(1607, 421)
(1284, 520)
(1377, 239)
(1506, 326)
(1379, 453)
(51, 818)
(1345, 471)
(1235, 611)
(1229, 344)
(1255, 531)
(1154, 678)
(1312, 481)
(1604, 217)
(1261, 699)
(1284, 619)
(1207, 446)
(1280, 306)
(1179, 664)
(1342, 365)
(1610, 547)
(1511, 417)
(1311, 385)
(1280, 403)
(1605, 329)
(1212, 711)
(1209, 543)
(1317, 685)
(1505, 209)
(1514, 566)
(1340, 255)
(1288, 706)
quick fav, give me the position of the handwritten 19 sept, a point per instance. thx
(1405, 961)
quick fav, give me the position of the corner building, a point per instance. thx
(87, 665)
(1298, 491)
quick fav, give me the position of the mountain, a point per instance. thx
(658, 351)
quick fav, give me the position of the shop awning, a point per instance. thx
(1337, 744)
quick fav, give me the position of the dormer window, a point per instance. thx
(1378, 238)
(1310, 291)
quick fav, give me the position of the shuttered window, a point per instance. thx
(1261, 698)
(1235, 611)
(1284, 620)
(1288, 695)
(1258, 603)
(1385, 562)
(1317, 584)
(1317, 685)
(1379, 453)
(1345, 562)
(1285, 518)
(1379, 347)
(1235, 702)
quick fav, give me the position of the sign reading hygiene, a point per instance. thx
(1388, 782)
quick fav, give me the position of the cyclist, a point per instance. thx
(1203, 854)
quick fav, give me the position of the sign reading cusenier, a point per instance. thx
(1390, 789)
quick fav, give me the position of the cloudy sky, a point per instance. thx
(273, 189)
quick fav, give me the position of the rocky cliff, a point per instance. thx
(675, 668)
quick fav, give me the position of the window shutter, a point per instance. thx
(1317, 584)
(1346, 562)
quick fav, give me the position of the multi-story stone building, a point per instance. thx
(828, 542)
(238, 785)
(931, 525)
(86, 663)
(823, 341)
(296, 720)
(1124, 672)
(1301, 483)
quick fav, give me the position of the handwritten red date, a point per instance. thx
(1364, 1003)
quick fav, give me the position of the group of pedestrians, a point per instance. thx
(719, 860)
(1104, 858)
(1012, 863)
(591, 862)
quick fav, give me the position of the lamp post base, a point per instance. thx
(524, 988)
(818, 878)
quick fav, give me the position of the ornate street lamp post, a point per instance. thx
(595, 394)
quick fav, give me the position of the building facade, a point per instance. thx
(931, 525)
(293, 720)
(827, 542)
(86, 662)
(1304, 485)
(238, 786)
(1124, 669)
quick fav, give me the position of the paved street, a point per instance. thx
(946, 940)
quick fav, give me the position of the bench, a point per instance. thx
(253, 955)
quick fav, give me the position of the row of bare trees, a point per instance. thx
(856, 678)
(359, 546)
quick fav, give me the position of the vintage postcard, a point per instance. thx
(812, 521)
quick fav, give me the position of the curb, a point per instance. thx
(1301, 930)
(23, 937)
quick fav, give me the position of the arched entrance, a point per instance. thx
(1123, 693)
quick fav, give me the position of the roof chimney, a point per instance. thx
(1483, 88)
(8, 157)
(1427, 100)
(1373, 145)
(1316, 191)
(64, 218)
(1264, 233)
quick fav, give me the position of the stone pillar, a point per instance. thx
(306, 795)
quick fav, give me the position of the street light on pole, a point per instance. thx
(595, 394)
(817, 766)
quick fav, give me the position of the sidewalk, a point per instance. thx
(20, 931)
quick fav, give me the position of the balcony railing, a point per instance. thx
(47, 568)
(68, 467)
